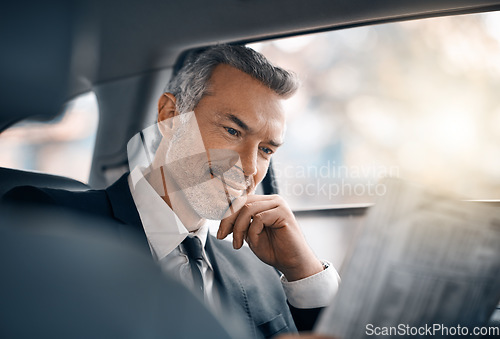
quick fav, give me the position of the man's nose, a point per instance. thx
(249, 162)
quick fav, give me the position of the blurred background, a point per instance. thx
(417, 100)
(62, 146)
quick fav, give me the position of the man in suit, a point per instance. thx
(220, 120)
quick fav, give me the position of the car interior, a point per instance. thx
(124, 53)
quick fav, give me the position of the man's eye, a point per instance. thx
(232, 131)
(267, 150)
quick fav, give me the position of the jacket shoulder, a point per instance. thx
(91, 201)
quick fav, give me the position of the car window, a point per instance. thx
(62, 146)
(416, 99)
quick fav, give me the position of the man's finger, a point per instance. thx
(257, 227)
(244, 219)
(227, 224)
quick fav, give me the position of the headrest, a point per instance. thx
(36, 41)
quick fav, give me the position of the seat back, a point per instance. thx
(66, 280)
(10, 178)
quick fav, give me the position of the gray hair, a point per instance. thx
(190, 84)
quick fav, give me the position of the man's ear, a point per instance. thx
(166, 110)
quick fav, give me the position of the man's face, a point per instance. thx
(241, 124)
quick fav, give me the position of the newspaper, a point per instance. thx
(423, 265)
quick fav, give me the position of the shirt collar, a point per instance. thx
(164, 230)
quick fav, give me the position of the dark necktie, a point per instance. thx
(194, 252)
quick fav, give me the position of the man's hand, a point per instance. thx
(270, 229)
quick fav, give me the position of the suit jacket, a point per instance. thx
(245, 281)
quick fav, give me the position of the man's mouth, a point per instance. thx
(235, 186)
(229, 183)
(236, 189)
(233, 189)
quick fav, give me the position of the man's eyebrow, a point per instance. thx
(238, 122)
(247, 128)
(275, 143)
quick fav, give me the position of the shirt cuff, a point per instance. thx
(315, 291)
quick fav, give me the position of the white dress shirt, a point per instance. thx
(165, 233)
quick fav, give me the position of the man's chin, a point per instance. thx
(234, 207)
(220, 210)
(211, 200)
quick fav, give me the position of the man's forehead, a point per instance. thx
(227, 72)
(238, 97)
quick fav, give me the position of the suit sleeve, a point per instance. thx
(304, 318)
